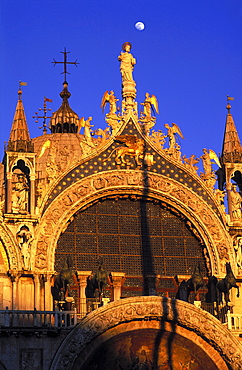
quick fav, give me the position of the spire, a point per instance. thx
(19, 140)
(232, 150)
(64, 119)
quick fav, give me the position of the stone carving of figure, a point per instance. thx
(87, 131)
(20, 194)
(112, 100)
(172, 130)
(25, 240)
(146, 118)
(147, 105)
(127, 62)
(235, 202)
(190, 162)
(238, 251)
(207, 166)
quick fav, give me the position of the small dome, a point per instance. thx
(64, 120)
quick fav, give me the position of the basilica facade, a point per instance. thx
(123, 208)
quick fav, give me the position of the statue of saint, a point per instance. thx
(207, 166)
(87, 131)
(25, 240)
(235, 202)
(20, 194)
(127, 62)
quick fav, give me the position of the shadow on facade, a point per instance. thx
(166, 320)
(149, 285)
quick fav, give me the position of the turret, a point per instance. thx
(231, 172)
(19, 166)
(19, 140)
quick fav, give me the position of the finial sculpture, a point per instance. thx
(127, 62)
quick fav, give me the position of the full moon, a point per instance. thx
(139, 26)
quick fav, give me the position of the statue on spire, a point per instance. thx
(127, 62)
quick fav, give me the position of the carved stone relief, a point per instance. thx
(224, 346)
(11, 249)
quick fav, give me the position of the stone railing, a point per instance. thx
(10, 319)
(235, 322)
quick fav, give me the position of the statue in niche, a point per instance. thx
(146, 118)
(172, 131)
(127, 62)
(20, 193)
(25, 240)
(238, 251)
(235, 202)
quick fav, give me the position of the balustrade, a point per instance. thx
(37, 319)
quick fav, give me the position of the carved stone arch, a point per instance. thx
(11, 249)
(26, 161)
(211, 343)
(88, 190)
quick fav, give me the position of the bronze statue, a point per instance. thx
(97, 282)
(191, 285)
(224, 285)
(63, 280)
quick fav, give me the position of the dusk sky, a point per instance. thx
(189, 56)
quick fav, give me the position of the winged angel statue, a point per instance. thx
(150, 104)
(171, 134)
(111, 99)
(112, 119)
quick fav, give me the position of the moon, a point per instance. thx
(139, 26)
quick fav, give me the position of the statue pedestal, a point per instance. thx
(105, 301)
(197, 304)
(129, 89)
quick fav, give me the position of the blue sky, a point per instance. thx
(189, 55)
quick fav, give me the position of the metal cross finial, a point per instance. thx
(45, 110)
(65, 62)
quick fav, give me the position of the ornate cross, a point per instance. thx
(45, 109)
(65, 62)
